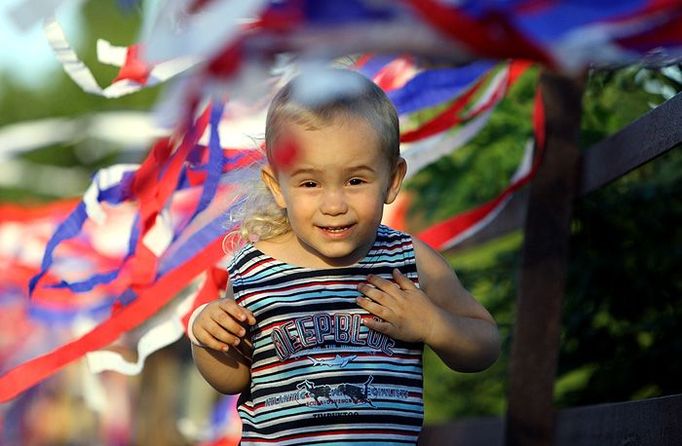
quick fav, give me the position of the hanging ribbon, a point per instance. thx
(448, 233)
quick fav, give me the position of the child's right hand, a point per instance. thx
(223, 323)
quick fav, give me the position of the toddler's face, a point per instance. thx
(335, 189)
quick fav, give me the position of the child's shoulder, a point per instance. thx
(387, 232)
(427, 258)
(241, 255)
(387, 236)
(393, 242)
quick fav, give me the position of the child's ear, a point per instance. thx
(270, 180)
(396, 181)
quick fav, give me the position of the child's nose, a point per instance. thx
(333, 203)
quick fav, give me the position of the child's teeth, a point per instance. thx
(337, 229)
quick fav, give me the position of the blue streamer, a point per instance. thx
(335, 12)
(126, 297)
(437, 86)
(216, 161)
(89, 283)
(115, 194)
(553, 23)
(550, 20)
(72, 226)
(68, 229)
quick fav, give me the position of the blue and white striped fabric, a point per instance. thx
(319, 376)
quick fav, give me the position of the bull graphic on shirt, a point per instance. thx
(357, 394)
(308, 389)
(321, 395)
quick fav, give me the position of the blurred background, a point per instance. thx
(619, 338)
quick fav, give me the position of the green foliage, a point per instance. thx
(623, 301)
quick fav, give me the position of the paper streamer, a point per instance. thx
(448, 233)
(83, 77)
(162, 330)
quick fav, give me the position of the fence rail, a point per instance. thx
(655, 421)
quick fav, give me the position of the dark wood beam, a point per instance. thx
(655, 421)
(638, 143)
(483, 431)
(535, 341)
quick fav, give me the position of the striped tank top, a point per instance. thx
(318, 375)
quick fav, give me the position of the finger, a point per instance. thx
(244, 349)
(380, 326)
(209, 341)
(236, 312)
(218, 331)
(227, 323)
(384, 285)
(375, 294)
(250, 318)
(239, 313)
(402, 280)
(374, 308)
(222, 321)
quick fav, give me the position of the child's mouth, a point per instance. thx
(336, 229)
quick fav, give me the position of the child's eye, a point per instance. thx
(355, 181)
(308, 184)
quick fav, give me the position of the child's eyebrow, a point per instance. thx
(360, 168)
(349, 169)
(304, 171)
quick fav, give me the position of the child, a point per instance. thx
(326, 314)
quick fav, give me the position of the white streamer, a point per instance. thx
(163, 330)
(110, 54)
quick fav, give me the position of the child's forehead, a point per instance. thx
(341, 139)
(335, 146)
(337, 133)
(345, 121)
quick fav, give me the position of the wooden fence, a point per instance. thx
(544, 212)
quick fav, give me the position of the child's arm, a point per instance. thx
(224, 354)
(441, 313)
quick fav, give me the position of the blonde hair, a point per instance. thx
(349, 95)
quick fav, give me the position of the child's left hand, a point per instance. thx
(406, 312)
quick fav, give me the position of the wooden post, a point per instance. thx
(535, 343)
